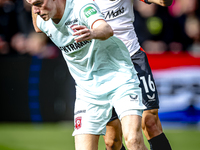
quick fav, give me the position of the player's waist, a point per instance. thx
(99, 84)
(123, 27)
(98, 91)
(130, 40)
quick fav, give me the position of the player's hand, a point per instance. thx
(164, 3)
(82, 33)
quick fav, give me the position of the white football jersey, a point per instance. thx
(119, 14)
(98, 66)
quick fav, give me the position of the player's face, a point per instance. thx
(44, 8)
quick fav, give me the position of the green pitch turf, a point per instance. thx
(57, 136)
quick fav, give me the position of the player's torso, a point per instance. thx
(97, 66)
(119, 14)
(61, 33)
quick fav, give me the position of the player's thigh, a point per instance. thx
(114, 115)
(131, 126)
(147, 83)
(113, 131)
(91, 118)
(86, 142)
(128, 101)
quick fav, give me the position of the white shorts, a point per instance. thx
(92, 113)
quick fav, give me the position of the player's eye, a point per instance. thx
(38, 4)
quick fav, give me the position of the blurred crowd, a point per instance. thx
(17, 35)
(159, 29)
(175, 28)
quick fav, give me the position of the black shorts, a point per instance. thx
(147, 84)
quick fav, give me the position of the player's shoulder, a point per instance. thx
(85, 7)
(81, 3)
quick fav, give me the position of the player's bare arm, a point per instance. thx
(164, 3)
(100, 30)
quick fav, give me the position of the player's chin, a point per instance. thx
(45, 17)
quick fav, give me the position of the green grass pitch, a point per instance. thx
(58, 136)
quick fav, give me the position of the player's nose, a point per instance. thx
(36, 10)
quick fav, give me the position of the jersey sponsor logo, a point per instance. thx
(71, 22)
(74, 30)
(89, 11)
(49, 35)
(78, 123)
(80, 111)
(73, 26)
(152, 98)
(74, 46)
(113, 14)
(134, 98)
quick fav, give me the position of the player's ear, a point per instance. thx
(34, 18)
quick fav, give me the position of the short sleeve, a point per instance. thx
(90, 13)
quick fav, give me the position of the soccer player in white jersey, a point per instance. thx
(119, 14)
(101, 66)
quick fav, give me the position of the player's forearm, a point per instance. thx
(34, 18)
(164, 3)
(100, 30)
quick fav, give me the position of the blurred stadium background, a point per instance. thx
(37, 92)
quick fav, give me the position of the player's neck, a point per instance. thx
(60, 8)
